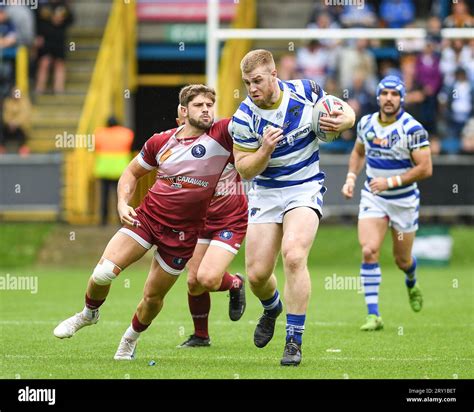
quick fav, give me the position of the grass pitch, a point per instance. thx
(435, 343)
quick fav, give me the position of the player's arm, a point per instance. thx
(423, 169)
(125, 190)
(356, 163)
(251, 164)
(340, 120)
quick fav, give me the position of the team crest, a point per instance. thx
(254, 211)
(198, 151)
(178, 261)
(226, 235)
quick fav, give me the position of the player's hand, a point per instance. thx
(127, 215)
(348, 189)
(339, 121)
(271, 137)
(378, 184)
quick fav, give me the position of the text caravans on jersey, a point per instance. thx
(75, 141)
(32, 4)
(9, 282)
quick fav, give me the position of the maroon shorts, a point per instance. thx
(229, 238)
(174, 247)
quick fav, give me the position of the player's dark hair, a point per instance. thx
(188, 93)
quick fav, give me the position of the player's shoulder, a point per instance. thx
(220, 132)
(366, 120)
(304, 88)
(409, 124)
(162, 136)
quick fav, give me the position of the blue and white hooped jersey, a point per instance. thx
(296, 157)
(388, 149)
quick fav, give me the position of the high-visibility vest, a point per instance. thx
(112, 146)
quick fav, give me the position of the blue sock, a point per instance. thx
(295, 327)
(273, 305)
(410, 278)
(371, 278)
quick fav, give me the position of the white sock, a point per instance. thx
(90, 313)
(131, 334)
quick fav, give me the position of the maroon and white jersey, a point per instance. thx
(188, 171)
(229, 204)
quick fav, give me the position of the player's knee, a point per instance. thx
(105, 272)
(209, 281)
(294, 259)
(369, 254)
(258, 275)
(193, 285)
(402, 262)
(152, 302)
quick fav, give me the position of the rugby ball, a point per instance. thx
(322, 108)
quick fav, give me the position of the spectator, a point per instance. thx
(53, 19)
(355, 16)
(460, 103)
(324, 20)
(360, 97)
(16, 122)
(23, 19)
(428, 75)
(316, 62)
(112, 144)
(467, 143)
(452, 57)
(287, 67)
(460, 16)
(357, 59)
(7, 39)
(397, 13)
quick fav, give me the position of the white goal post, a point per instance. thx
(215, 35)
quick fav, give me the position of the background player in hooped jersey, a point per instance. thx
(397, 151)
(218, 243)
(274, 144)
(189, 162)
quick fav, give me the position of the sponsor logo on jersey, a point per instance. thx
(226, 235)
(178, 182)
(198, 151)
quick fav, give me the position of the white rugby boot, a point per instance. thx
(126, 349)
(71, 325)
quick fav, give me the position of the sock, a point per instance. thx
(229, 282)
(295, 327)
(410, 278)
(91, 309)
(137, 326)
(273, 305)
(199, 306)
(131, 334)
(371, 278)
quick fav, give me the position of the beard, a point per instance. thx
(390, 110)
(201, 124)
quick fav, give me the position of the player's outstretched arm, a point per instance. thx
(356, 163)
(125, 190)
(251, 164)
(339, 121)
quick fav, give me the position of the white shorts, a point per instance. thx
(402, 213)
(269, 205)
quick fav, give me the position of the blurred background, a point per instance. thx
(84, 83)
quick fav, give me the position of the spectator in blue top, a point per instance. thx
(397, 13)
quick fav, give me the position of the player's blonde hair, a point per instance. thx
(257, 58)
(188, 93)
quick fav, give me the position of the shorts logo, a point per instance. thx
(177, 261)
(198, 151)
(226, 235)
(254, 211)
